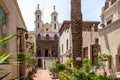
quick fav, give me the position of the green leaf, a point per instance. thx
(5, 40)
(4, 57)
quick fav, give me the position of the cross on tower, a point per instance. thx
(38, 6)
(54, 7)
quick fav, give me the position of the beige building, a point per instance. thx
(90, 35)
(109, 36)
(11, 22)
(30, 40)
(30, 48)
(65, 41)
(47, 35)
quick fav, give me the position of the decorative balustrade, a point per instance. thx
(46, 39)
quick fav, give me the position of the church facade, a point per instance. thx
(46, 38)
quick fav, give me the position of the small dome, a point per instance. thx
(54, 13)
(38, 11)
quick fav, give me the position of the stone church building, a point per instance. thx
(46, 38)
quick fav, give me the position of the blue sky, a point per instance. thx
(91, 10)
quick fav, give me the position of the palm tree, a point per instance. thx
(76, 27)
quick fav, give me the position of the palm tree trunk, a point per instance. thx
(76, 27)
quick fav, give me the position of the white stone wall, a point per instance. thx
(62, 41)
(109, 40)
(89, 37)
(51, 31)
(66, 35)
(109, 35)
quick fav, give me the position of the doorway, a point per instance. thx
(39, 62)
(46, 52)
(39, 53)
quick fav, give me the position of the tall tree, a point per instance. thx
(76, 27)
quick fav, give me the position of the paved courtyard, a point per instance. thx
(42, 75)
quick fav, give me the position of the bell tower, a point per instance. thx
(54, 20)
(54, 15)
(38, 20)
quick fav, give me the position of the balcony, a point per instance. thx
(113, 1)
(47, 58)
(47, 39)
(108, 4)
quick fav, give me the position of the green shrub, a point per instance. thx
(101, 77)
(69, 63)
(50, 69)
(60, 66)
(81, 74)
(66, 76)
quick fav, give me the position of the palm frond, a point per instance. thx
(6, 39)
(4, 57)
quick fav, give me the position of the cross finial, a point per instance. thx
(38, 6)
(54, 7)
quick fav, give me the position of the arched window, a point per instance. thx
(3, 23)
(38, 26)
(47, 37)
(67, 44)
(55, 37)
(38, 17)
(39, 36)
(54, 26)
(54, 18)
